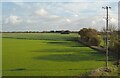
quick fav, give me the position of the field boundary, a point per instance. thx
(93, 47)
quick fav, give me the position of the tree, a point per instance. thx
(95, 41)
(114, 41)
(83, 34)
(90, 36)
(112, 34)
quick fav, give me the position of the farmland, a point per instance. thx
(47, 54)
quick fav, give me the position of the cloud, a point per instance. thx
(93, 23)
(60, 0)
(68, 20)
(47, 16)
(114, 21)
(76, 15)
(41, 12)
(13, 0)
(54, 16)
(19, 3)
(13, 19)
(23, 5)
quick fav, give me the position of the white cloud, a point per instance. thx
(114, 21)
(41, 12)
(29, 21)
(49, 16)
(54, 16)
(13, 19)
(76, 15)
(93, 23)
(68, 20)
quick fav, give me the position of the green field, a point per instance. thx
(47, 54)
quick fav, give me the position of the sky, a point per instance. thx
(56, 15)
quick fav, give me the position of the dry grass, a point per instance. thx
(113, 71)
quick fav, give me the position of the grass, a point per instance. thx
(0, 54)
(46, 54)
(40, 36)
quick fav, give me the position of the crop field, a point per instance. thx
(47, 54)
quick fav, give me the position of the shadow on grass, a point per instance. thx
(64, 46)
(51, 38)
(66, 43)
(18, 69)
(64, 50)
(71, 57)
(51, 69)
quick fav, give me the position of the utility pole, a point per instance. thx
(107, 8)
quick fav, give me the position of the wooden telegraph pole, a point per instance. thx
(107, 8)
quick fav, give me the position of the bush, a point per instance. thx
(117, 46)
(117, 49)
(90, 36)
(95, 41)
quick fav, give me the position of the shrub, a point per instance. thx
(117, 48)
(95, 41)
(90, 36)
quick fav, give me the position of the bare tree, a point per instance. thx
(112, 34)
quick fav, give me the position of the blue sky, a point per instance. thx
(43, 16)
(59, 0)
